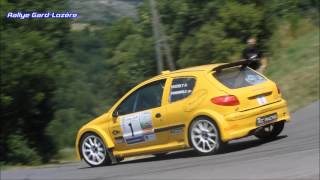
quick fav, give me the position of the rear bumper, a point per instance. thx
(240, 124)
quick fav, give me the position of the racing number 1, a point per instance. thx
(130, 125)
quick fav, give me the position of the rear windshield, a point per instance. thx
(237, 77)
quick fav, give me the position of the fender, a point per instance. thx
(217, 118)
(97, 130)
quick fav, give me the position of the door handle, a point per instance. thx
(158, 115)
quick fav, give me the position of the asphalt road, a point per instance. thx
(294, 155)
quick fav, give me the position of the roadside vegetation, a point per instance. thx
(294, 63)
(54, 79)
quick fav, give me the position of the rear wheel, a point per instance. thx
(270, 132)
(204, 136)
(93, 150)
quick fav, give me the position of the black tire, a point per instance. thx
(119, 159)
(223, 145)
(204, 136)
(265, 133)
(98, 146)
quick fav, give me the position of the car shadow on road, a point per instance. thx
(231, 147)
(242, 145)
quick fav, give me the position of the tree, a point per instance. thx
(31, 63)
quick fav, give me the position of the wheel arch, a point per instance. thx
(97, 131)
(214, 117)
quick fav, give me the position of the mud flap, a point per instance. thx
(111, 156)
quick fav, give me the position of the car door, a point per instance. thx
(178, 109)
(138, 116)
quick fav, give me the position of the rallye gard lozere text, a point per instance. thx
(200, 107)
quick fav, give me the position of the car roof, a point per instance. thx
(185, 71)
(207, 67)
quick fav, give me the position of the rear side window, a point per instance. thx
(181, 88)
(237, 77)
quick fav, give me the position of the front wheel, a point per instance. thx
(270, 132)
(204, 136)
(93, 150)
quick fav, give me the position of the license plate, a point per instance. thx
(266, 119)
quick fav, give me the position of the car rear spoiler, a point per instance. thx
(242, 63)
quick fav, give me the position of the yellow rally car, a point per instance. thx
(201, 107)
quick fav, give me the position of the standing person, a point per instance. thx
(252, 53)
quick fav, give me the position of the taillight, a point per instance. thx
(279, 92)
(228, 100)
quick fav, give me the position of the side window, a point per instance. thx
(181, 88)
(150, 96)
(128, 105)
(146, 97)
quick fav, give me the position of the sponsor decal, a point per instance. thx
(261, 100)
(137, 127)
(177, 131)
(119, 140)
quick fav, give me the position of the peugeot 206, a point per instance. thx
(200, 107)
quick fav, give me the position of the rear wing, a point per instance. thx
(242, 63)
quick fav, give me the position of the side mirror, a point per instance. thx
(115, 114)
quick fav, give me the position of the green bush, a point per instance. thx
(20, 152)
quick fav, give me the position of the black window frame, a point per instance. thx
(181, 77)
(136, 93)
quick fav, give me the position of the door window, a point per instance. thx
(181, 88)
(127, 106)
(146, 97)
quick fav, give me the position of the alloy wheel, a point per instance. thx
(93, 150)
(204, 136)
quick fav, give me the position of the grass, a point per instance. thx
(65, 155)
(295, 67)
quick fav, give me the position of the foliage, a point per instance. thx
(30, 64)
(298, 55)
(20, 152)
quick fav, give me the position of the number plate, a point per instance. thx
(266, 119)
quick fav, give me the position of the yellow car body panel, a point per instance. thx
(97, 126)
(171, 129)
